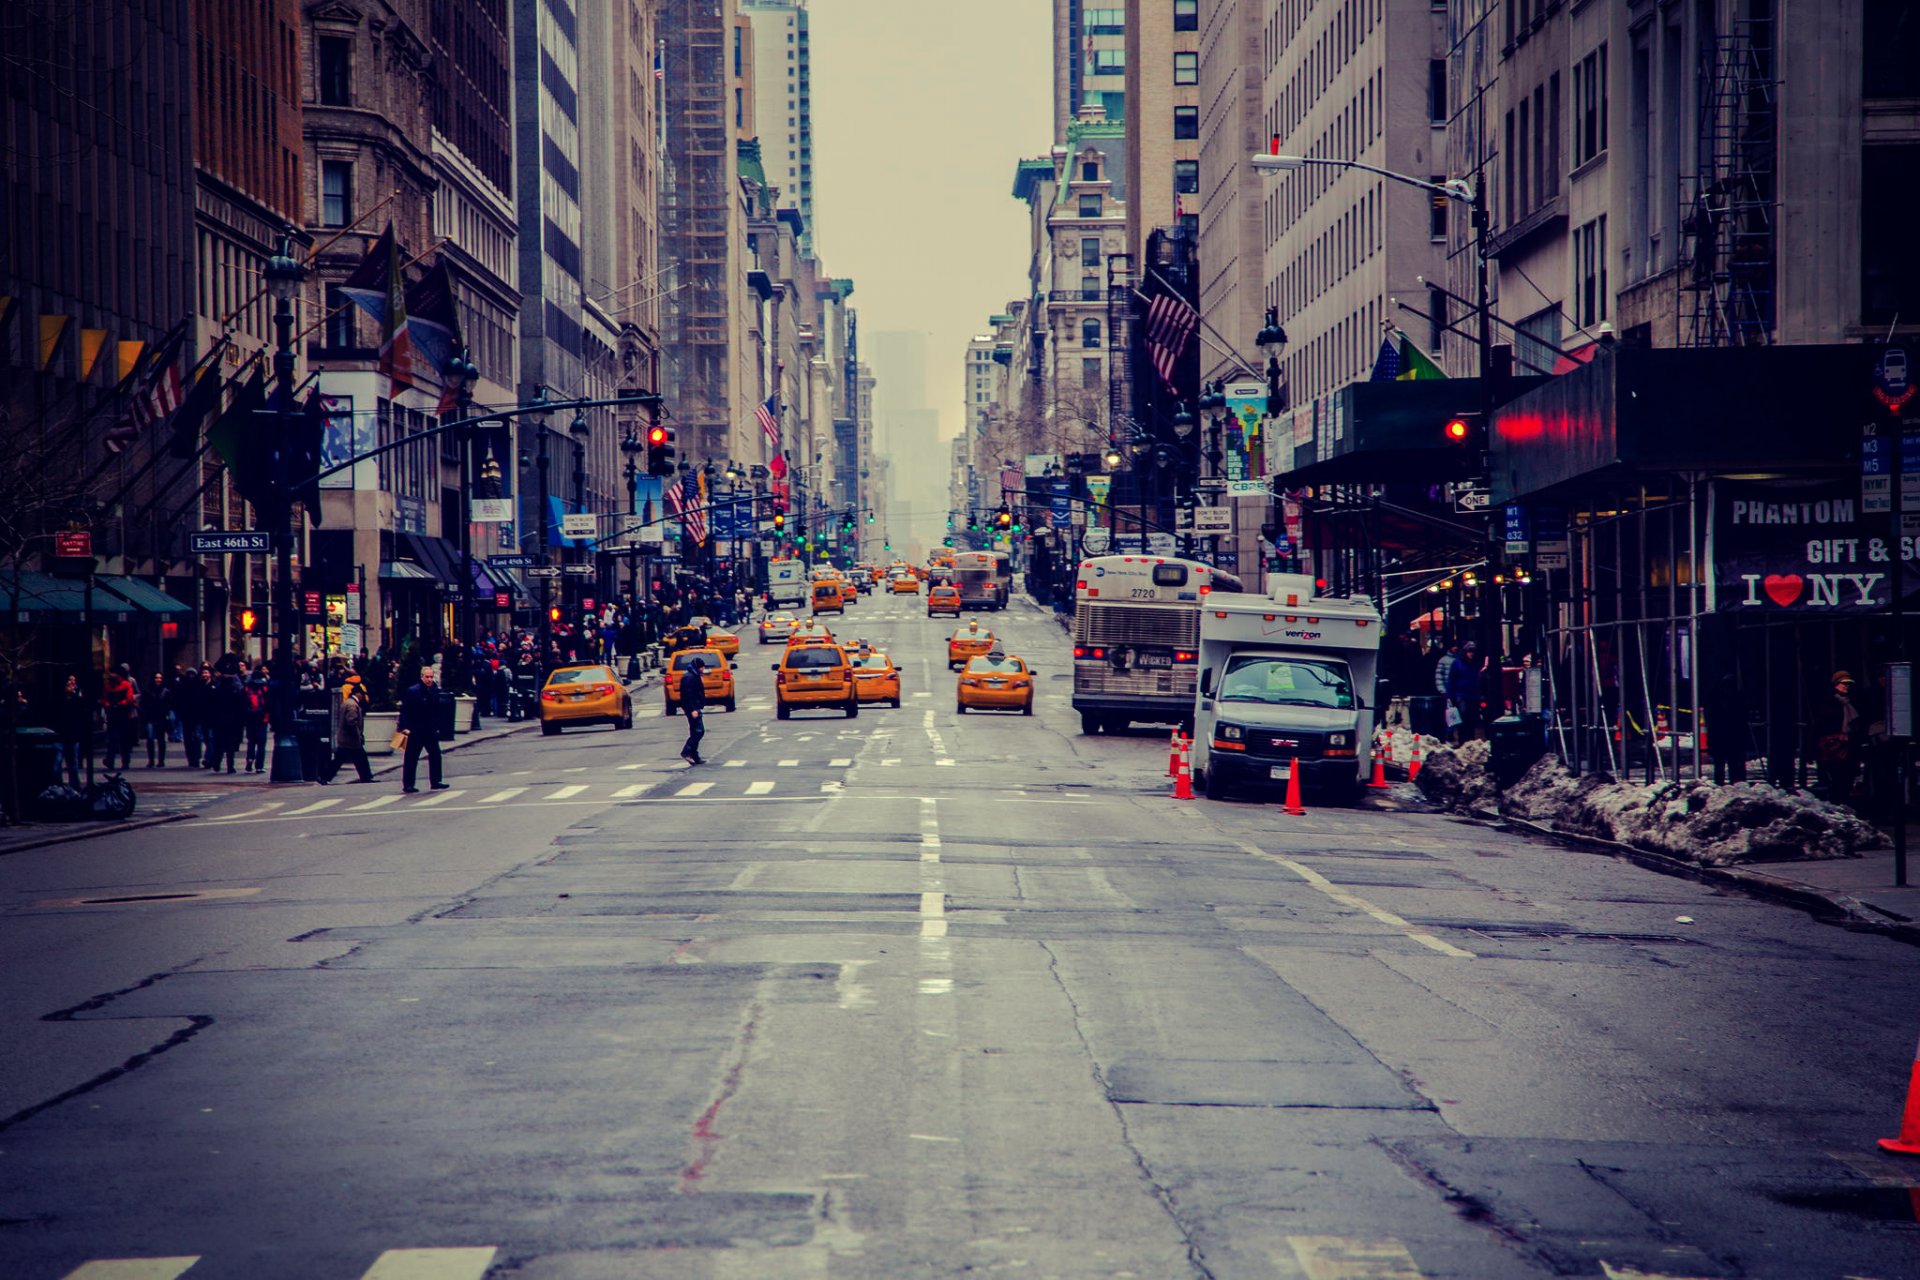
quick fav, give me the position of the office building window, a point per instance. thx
(1436, 210)
(1090, 373)
(1186, 122)
(1591, 246)
(1186, 177)
(1090, 206)
(1590, 106)
(1109, 62)
(1186, 68)
(1437, 90)
(340, 334)
(1090, 333)
(1106, 22)
(1090, 251)
(336, 193)
(1186, 15)
(336, 71)
(1089, 288)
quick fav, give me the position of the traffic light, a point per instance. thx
(1004, 518)
(779, 521)
(248, 621)
(553, 613)
(659, 450)
(1465, 431)
(870, 520)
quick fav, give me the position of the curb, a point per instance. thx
(1841, 909)
(68, 837)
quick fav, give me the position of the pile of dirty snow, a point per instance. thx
(1397, 744)
(1697, 821)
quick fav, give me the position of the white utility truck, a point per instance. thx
(1285, 677)
(788, 586)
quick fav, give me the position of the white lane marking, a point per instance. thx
(564, 793)
(734, 764)
(252, 813)
(520, 773)
(132, 1268)
(438, 797)
(1629, 1273)
(316, 806)
(498, 796)
(831, 788)
(380, 803)
(840, 763)
(788, 764)
(922, 694)
(576, 769)
(431, 1264)
(694, 789)
(625, 767)
(759, 788)
(1357, 903)
(933, 904)
(1348, 1258)
(634, 790)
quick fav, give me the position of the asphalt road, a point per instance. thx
(918, 994)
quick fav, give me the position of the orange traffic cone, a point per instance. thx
(1293, 790)
(1413, 763)
(1908, 1143)
(1379, 779)
(1173, 753)
(1182, 777)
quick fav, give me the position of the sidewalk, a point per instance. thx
(177, 793)
(1862, 888)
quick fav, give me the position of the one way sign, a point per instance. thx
(1468, 501)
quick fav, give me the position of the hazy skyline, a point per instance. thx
(920, 112)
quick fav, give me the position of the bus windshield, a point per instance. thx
(1292, 682)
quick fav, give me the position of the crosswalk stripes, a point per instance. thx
(760, 788)
(438, 797)
(627, 793)
(378, 802)
(394, 1264)
(566, 793)
(316, 806)
(694, 789)
(506, 793)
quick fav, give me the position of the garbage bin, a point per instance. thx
(37, 757)
(447, 716)
(1517, 742)
(1427, 714)
(313, 731)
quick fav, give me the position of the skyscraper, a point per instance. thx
(1089, 56)
(783, 101)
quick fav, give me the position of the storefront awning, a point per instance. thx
(436, 555)
(403, 571)
(33, 596)
(143, 596)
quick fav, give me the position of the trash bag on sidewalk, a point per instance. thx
(111, 799)
(58, 803)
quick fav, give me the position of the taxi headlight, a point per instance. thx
(1232, 733)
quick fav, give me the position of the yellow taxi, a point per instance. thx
(723, 641)
(716, 675)
(875, 678)
(905, 584)
(969, 641)
(943, 599)
(814, 677)
(584, 695)
(995, 682)
(777, 626)
(809, 633)
(826, 597)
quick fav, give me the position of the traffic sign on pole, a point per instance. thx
(542, 571)
(244, 542)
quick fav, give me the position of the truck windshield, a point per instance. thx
(1286, 682)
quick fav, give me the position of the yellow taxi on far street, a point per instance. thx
(969, 641)
(810, 633)
(814, 676)
(905, 584)
(724, 641)
(826, 597)
(875, 678)
(943, 599)
(590, 694)
(995, 682)
(715, 674)
(777, 626)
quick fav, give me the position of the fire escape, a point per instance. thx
(1728, 247)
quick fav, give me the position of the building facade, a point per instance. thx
(783, 100)
(1089, 57)
(1163, 96)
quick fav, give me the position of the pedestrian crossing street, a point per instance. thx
(1312, 1257)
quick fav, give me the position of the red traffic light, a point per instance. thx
(1458, 429)
(656, 436)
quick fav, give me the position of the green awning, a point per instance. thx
(142, 595)
(30, 594)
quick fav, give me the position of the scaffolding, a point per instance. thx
(1728, 234)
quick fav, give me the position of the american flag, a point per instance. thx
(684, 499)
(155, 396)
(769, 422)
(1170, 325)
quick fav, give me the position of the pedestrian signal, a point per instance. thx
(248, 621)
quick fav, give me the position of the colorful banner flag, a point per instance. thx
(378, 287)
(1171, 322)
(433, 318)
(52, 329)
(769, 422)
(1415, 364)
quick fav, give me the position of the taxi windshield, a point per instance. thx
(580, 675)
(874, 661)
(1286, 682)
(965, 634)
(997, 662)
(684, 659)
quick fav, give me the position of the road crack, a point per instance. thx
(1169, 1203)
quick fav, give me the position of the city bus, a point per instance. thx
(985, 578)
(1136, 638)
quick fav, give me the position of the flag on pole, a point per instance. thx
(1415, 364)
(157, 392)
(202, 398)
(1171, 322)
(1386, 365)
(694, 506)
(433, 318)
(778, 467)
(240, 442)
(769, 422)
(378, 287)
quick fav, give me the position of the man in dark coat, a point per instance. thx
(420, 717)
(693, 701)
(226, 718)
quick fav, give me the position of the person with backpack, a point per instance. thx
(120, 704)
(258, 713)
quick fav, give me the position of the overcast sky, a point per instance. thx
(920, 110)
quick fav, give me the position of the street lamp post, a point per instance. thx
(462, 374)
(631, 447)
(544, 514)
(284, 275)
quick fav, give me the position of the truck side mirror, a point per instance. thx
(1206, 681)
